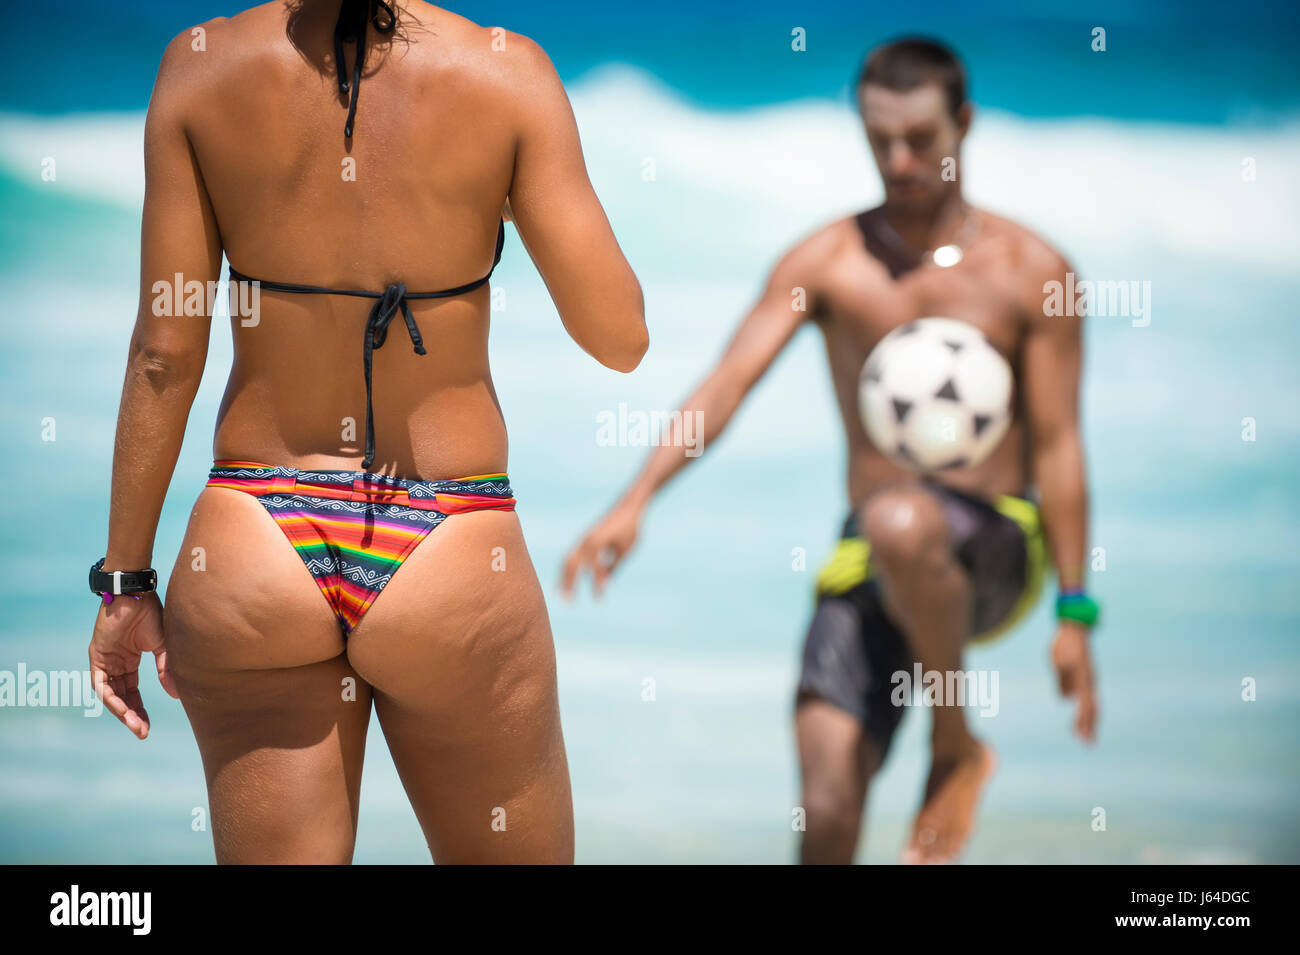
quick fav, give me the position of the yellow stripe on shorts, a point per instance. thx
(850, 565)
(1026, 515)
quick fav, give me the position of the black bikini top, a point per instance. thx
(394, 298)
(390, 301)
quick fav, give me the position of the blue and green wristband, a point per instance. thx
(1077, 606)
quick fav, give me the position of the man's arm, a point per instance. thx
(762, 335)
(1051, 365)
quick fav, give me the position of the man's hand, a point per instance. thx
(1072, 658)
(123, 631)
(603, 548)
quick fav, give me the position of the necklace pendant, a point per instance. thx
(946, 255)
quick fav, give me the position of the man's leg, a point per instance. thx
(844, 719)
(836, 762)
(929, 594)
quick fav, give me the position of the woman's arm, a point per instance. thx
(180, 254)
(180, 259)
(562, 224)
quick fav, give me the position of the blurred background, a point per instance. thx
(1137, 162)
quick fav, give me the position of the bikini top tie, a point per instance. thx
(388, 304)
(353, 30)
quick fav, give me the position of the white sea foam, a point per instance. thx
(761, 175)
(94, 155)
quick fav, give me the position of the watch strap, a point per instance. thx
(117, 582)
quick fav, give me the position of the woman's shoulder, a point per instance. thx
(202, 56)
(495, 51)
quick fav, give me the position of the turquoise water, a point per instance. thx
(1183, 60)
(1198, 526)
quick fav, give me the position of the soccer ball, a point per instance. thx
(934, 394)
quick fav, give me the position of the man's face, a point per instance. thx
(910, 135)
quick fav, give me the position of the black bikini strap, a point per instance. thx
(391, 301)
(354, 31)
(238, 276)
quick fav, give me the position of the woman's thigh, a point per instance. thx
(459, 653)
(279, 714)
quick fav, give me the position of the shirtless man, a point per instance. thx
(928, 565)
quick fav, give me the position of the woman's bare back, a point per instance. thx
(453, 119)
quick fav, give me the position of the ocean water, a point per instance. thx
(1183, 60)
(1198, 526)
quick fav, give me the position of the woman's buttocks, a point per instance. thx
(297, 396)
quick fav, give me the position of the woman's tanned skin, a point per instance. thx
(245, 154)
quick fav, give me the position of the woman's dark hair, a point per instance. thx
(909, 62)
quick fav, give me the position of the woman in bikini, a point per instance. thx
(360, 452)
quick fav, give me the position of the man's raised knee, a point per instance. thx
(905, 526)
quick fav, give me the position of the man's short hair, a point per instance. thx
(906, 63)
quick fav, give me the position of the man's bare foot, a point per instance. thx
(947, 816)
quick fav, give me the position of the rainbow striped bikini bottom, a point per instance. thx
(353, 529)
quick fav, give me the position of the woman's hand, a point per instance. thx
(125, 629)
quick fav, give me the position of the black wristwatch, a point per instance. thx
(118, 582)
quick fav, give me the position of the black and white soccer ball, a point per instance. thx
(935, 394)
